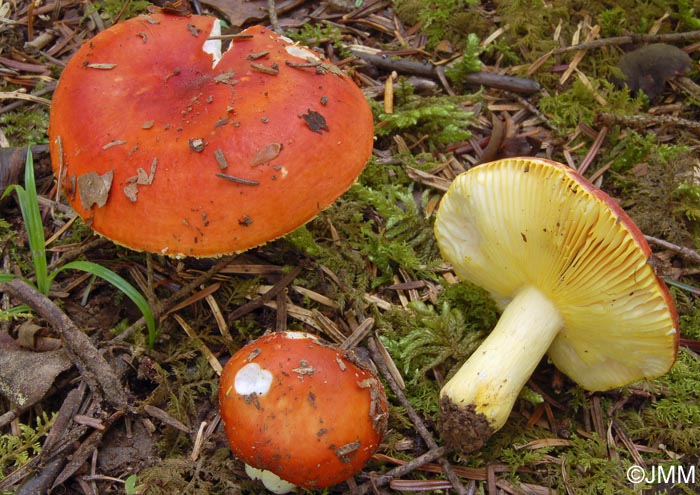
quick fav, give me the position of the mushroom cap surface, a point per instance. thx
(163, 144)
(301, 410)
(533, 222)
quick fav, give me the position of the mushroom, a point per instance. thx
(306, 412)
(571, 271)
(165, 144)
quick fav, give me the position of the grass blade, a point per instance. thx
(29, 206)
(121, 284)
(35, 226)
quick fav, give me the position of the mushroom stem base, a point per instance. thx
(485, 388)
(463, 429)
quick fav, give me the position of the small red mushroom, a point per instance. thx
(163, 143)
(306, 412)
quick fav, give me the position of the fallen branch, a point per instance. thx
(488, 79)
(632, 38)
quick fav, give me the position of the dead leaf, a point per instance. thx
(26, 376)
(240, 12)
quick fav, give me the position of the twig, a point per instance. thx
(593, 151)
(489, 79)
(638, 121)
(31, 96)
(165, 306)
(13, 414)
(274, 22)
(17, 95)
(415, 418)
(260, 301)
(633, 38)
(92, 365)
(401, 470)
(536, 111)
(682, 251)
(75, 253)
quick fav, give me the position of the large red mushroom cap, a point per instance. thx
(301, 410)
(164, 144)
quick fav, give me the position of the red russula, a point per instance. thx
(571, 271)
(164, 144)
(301, 410)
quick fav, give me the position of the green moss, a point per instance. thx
(440, 120)
(688, 14)
(654, 194)
(579, 104)
(530, 34)
(634, 148)
(427, 337)
(178, 474)
(379, 219)
(314, 35)
(16, 450)
(437, 18)
(469, 62)
(688, 197)
(673, 420)
(110, 9)
(28, 125)
(613, 21)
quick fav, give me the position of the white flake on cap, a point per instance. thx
(213, 46)
(252, 379)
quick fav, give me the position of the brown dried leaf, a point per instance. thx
(240, 12)
(26, 376)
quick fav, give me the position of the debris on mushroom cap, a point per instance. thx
(570, 268)
(301, 410)
(249, 143)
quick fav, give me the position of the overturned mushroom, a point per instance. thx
(570, 269)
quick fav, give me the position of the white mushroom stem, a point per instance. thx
(272, 482)
(478, 399)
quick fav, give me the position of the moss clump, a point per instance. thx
(315, 34)
(16, 450)
(182, 475)
(439, 337)
(582, 102)
(673, 420)
(688, 14)
(379, 219)
(440, 20)
(651, 176)
(468, 63)
(28, 125)
(441, 120)
(110, 9)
